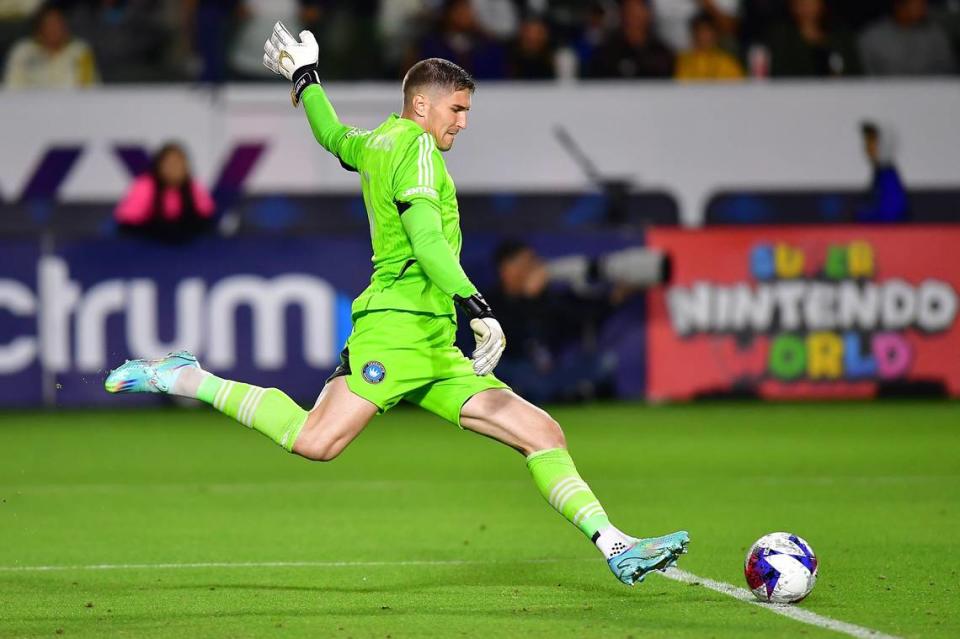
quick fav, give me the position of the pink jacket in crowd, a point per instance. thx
(137, 205)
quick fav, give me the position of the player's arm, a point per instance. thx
(422, 223)
(417, 201)
(297, 61)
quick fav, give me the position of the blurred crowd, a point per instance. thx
(74, 43)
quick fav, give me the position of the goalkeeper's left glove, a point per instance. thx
(295, 60)
(486, 330)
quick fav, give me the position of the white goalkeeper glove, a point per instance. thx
(296, 60)
(491, 341)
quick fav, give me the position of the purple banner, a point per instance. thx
(271, 311)
(20, 370)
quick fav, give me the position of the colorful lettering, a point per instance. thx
(824, 356)
(762, 265)
(857, 365)
(835, 265)
(860, 261)
(893, 355)
(788, 357)
(789, 261)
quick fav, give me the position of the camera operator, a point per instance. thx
(556, 314)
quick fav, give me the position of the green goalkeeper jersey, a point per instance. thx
(415, 255)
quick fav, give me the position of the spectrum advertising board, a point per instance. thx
(805, 312)
(272, 311)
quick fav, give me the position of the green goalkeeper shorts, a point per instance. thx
(394, 355)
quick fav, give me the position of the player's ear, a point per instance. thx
(420, 105)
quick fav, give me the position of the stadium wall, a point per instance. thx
(688, 141)
(273, 311)
(771, 312)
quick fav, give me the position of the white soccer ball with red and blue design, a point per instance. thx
(781, 568)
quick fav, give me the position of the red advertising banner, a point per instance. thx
(804, 312)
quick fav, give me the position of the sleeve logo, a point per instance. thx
(420, 190)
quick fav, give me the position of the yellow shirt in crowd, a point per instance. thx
(30, 66)
(715, 64)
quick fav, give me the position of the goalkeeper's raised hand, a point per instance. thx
(296, 60)
(486, 330)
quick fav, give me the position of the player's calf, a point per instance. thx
(630, 559)
(512, 420)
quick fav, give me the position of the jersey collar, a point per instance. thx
(394, 117)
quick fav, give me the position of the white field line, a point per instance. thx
(793, 612)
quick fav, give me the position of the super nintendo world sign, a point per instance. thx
(806, 312)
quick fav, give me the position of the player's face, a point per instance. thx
(447, 116)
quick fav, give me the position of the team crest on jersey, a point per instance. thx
(374, 372)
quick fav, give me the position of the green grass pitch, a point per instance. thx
(421, 530)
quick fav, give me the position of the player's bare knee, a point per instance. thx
(321, 449)
(547, 434)
(327, 451)
(553, 434)
(317, 440)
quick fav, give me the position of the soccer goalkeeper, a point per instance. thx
(404, 323)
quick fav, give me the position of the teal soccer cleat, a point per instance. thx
(149, 375)
(652, 553)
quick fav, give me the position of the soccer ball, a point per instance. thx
(780, 568)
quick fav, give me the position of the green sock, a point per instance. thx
(268, 410)
(559, 482)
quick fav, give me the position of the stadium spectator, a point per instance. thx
(460, 39)
(132, 41)
(254, 18)
(400, 25)
(531, 57)
(673, 19)
(547, 359)
(166, 203)
(808, 45)
(498, 18)
(947, 15)
(15, 21)
(757, 17)
(51, 58)
(350, 48)
(857, 14)
(888, 198)
(591, 34)
(635, 51)
(209, 26)
(907, 42)
(706, 60)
